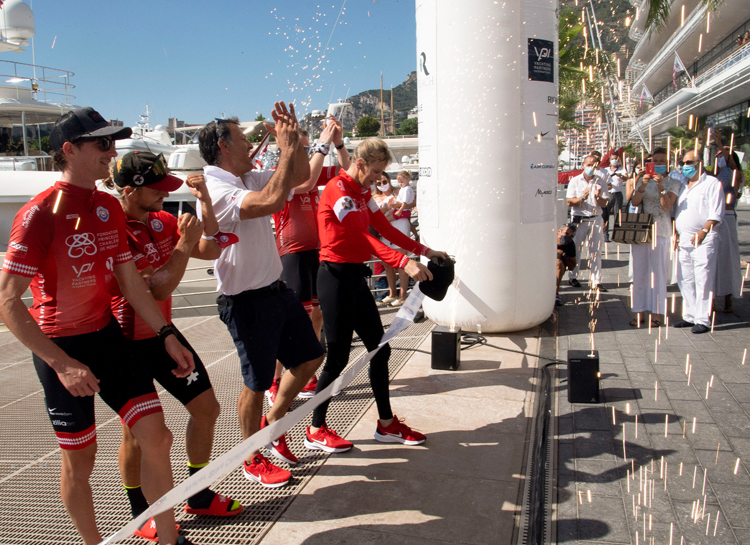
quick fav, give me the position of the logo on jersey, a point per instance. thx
(138, 179)
(86, 267)
(28, 215)
(81, 244)
(151, 252)
(341, 185)
(110, 264)
(102, 213)
(343, 206)
(305, 199)
(20, 247)
(157, 225)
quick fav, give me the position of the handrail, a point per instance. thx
(56, 84)
(722, 64)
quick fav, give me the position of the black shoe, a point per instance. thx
(558, 301)
(601, 288)
(700, 328)
(683, 323)
(574, 282)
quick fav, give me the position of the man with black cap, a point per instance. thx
(69, 245)
(161, 246)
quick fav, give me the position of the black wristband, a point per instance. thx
(165, 332)
(341, 146)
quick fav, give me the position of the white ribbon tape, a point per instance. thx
(230, 460)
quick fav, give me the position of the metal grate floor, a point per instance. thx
(30, 508)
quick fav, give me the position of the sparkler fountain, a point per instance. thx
(487, 82)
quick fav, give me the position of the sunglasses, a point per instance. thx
(683, 163)
(104, 143)
(159, 166)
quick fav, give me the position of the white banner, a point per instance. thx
(230, 460)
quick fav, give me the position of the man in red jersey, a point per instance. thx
(68, 243)
(161, 246)
(297, 236)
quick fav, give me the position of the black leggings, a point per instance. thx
(348, 306)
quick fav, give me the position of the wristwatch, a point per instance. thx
(322, 148)
(340, 146)
(705, 230)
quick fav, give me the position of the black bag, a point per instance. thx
(633, 228)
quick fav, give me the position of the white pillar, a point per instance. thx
(487, 81)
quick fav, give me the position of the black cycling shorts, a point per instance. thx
(123, 382)
(300, 274)
(160, 364)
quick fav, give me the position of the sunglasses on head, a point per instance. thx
(104, 143)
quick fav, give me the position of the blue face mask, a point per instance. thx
(589, 171)
(660, 169)
(689, 171)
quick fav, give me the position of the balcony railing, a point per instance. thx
(724, 64)
(45, 84)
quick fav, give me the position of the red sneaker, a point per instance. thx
(398, 432)
(279, 448)
(148, 530)
(264, 472)
(272, 391)
(309, 390)
(327, 440)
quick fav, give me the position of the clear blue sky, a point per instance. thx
(197, 60)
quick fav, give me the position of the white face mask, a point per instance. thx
(384, 187)
(614, 163)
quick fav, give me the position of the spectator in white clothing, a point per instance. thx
(700, 206)
(657, 194)
(587, 195)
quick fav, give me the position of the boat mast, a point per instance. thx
(382, 126)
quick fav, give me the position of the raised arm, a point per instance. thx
(317, 159)
(273, 196)
(207, 248)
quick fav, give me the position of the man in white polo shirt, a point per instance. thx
(267, 321)
(587, 194)
(699, 208)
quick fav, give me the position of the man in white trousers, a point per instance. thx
(587, 195)
(700, 206)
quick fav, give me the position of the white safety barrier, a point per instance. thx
(232, 459)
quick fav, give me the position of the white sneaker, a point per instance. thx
(388, 300)
(397, 303)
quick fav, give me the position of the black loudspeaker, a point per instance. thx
(446, 348)
(583, 376)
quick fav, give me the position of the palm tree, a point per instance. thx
(659, 10)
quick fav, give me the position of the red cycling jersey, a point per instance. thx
(296, 225)
(345, 214)
(68, 239)
(151, 244)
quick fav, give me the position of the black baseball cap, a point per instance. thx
(443, 273)
(141, 169)
(84, 123)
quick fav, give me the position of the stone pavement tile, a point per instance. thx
(743, 535)
(723, 471)
(675, 449)
(735, 504)
(737, 426)
(674, 373)
(696, 532)
(634, 350)
(403, 502)
(619, 392)
(733, 374)
(594, 445)
(637, 365)
(608, 356)
(646, 379)
(649, 405)
(680, 487)
(707, 346)
(601, 478)
(613, 370)
(706, 437)
(603, 520)
(565, 426)
(741, 447)
(741, 392)
(721, 402)
(680, 390)
(688, 410)
(592, 418)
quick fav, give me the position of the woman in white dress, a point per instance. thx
(385, 198)
(657, 194)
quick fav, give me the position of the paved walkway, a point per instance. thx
(683, 474)
(462, 486)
